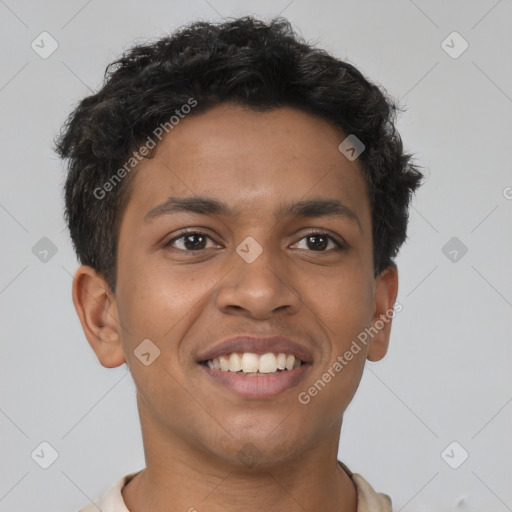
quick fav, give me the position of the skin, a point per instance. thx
(193, 430)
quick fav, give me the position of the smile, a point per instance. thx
(272, 374)
(251, 364)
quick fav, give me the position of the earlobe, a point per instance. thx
(96, 308)
(385, 293)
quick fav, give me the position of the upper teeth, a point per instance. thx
(253, 363)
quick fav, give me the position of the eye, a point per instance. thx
(190, 241)
(196, 241)
(319, 241)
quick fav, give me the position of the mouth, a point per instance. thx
(256, 368)
(256, 384)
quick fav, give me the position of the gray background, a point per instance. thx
(447, 375)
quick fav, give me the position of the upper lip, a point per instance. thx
(257, 345)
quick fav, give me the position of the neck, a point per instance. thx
(181, 477)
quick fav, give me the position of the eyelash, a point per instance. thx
(339, 245)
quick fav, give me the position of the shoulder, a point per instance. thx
(368, 500)
(93, 507)
(112, 500)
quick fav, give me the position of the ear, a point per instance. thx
(385, 292)
(96, 308)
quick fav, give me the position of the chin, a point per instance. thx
(256, 451)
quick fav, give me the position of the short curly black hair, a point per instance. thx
(244, 60)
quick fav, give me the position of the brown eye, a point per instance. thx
(319, 242)
(189, 242)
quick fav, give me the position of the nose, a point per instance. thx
(260, 288)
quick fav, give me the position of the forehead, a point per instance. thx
(250, 160)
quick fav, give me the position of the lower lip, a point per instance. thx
(255, 386)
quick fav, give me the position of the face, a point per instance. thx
(289, 256)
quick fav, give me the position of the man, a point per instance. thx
(236, 198)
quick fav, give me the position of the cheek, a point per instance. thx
(156, 304)
(343, 306)
(152, 297)
(159, 301)
(347, 311)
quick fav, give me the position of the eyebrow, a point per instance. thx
(211, 206)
